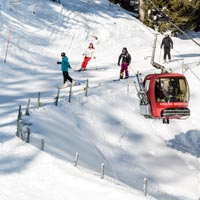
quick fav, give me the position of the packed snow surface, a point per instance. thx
(104, 126)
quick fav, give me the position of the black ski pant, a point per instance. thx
(66, 77)
(167, 53)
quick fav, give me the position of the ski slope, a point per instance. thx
(104, 127)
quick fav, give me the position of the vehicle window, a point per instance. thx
(173, 89)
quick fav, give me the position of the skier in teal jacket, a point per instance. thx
(65, 67)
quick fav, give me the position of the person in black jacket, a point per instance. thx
(125, 59)
(168, 45)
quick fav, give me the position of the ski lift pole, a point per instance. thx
(8, 42)
(154, 48)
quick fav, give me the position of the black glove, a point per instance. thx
(118, 64)
(70, 66)
(58, 62)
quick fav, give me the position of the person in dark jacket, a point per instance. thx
(125, 59)
(65, 67)
(168, 45)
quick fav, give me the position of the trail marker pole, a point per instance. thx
(19, 112)
(8, 41)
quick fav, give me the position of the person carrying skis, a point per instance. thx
(88, 54)
(168, 44)
(65, 67)
(125, 59)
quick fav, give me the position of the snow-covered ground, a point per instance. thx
(104, 127)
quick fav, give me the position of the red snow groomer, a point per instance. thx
(164, 95)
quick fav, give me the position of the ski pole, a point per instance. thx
(79, 63)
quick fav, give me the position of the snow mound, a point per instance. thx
(187, 143)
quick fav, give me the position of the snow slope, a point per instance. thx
(104, 127)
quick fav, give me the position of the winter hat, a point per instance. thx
(63, 54)
(91, 44)
(124, 50)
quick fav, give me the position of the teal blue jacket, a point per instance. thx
(65, 64)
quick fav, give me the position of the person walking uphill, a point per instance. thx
(88, 55)
(168, 44)
(125, 59)
(65, 67)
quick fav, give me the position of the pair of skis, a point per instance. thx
(144, 100)
(70, 85)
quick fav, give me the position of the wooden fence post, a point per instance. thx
(70, 93)
(28, 135)
(18, 124)
(102, 170)
(145, 186)
(76, 159)
(57, 97)
(19, 112)
(38, 101)
(86, 88)
(42, 144)
(27, 107)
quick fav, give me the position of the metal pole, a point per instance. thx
(154, 48)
